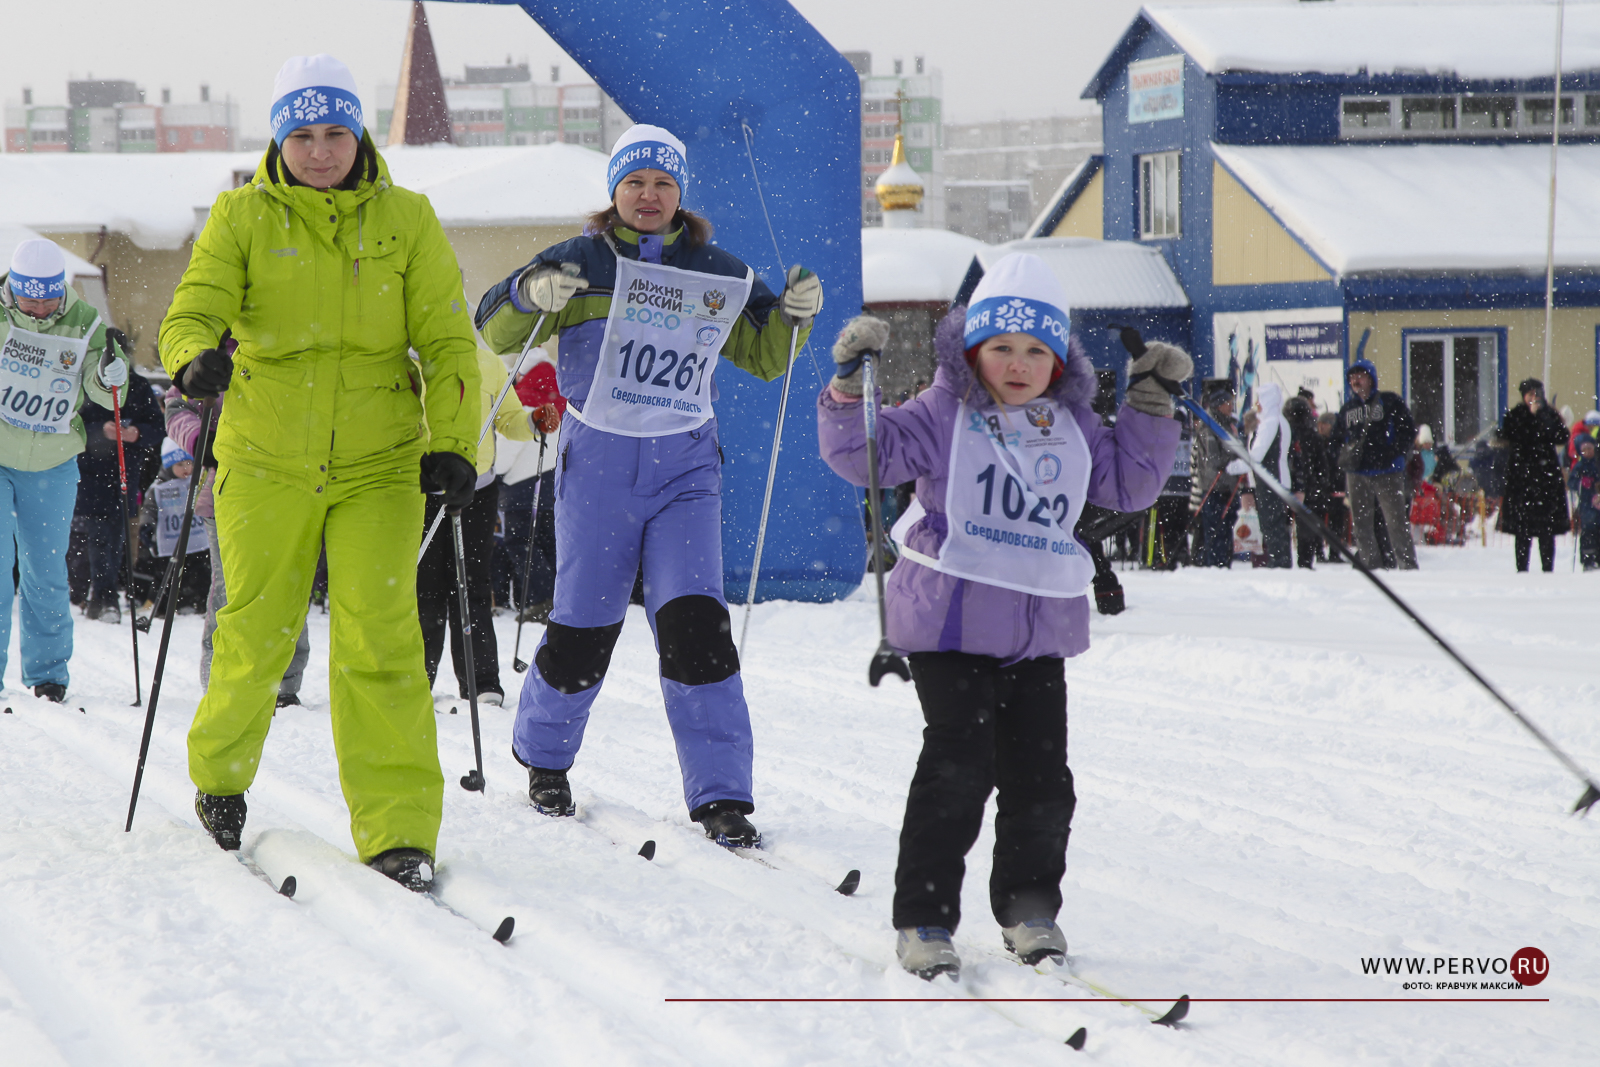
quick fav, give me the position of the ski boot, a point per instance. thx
(222, 818)
(1035, 940)
(288, 700)
(411, 867)
(54, 692)
(926, 952)
(725, 823)
(489, 698)
(551, 793)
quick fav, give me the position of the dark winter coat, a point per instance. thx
(98, 473)
(1308, 457)
(1536, 495)
(1375, 435)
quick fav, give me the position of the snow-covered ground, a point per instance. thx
(1278, 777)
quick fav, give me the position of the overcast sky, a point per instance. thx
(1000, 58)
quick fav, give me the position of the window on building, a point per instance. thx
(1591, 110)
(1366, 115)
(172, 138)
(1488, 112)
(1453, 384)
(1428, 112)
(1159, 195)
(1536, 111)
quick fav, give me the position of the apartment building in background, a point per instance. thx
(113, 115)
(911, 104)
(998, 175)
(503, 105)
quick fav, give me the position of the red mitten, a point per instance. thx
(538, 388)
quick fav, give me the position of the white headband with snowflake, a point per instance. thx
(311, 90)
(1020, 294)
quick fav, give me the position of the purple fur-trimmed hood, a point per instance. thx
(1075, 388)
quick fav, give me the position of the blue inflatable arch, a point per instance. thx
(723, 75)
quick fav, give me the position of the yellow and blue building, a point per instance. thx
(1331, 181)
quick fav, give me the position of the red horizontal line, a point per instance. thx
(1106, 1000)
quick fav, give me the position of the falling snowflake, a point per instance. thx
(1014, 316)
(310, 106)
(34, 289)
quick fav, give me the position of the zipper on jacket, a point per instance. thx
(564, 453)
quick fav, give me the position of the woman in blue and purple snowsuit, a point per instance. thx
(988, 597)
(644, 308)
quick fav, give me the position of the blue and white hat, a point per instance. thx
(313, 89)
(648, 146)
(1020, 294)
(172, 453)
(38, 270)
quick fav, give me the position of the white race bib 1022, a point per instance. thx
(39, 376)
(663, 338)
(1017, 482)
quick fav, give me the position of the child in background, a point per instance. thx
(989, 596)
(1585, 479)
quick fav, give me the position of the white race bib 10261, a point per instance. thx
(663, 338)
(39, 376)
(1017, 482)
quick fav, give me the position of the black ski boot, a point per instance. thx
(54, 692)
(725, 823)
(222, 818)
(550, 792)
(411, 867)
(288, 700)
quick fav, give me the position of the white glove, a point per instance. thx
(113, 371)
(547, 287)
(864, 333)
(802, 297)
(1158, 361)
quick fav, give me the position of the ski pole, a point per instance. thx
(133, 609)
(766, 501)
(886, 660)
(1591, 793)
(488, 422)
(208, 409)
(527, 563)
(472, 781)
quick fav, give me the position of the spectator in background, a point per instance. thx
(1269, 446)
(99, 523)
(1338, 516)
(1536, 497)
(1308, 466)
(1172, 506)
(1374, 433)
(1215, 495)
(1588, 426)
(1584, 479)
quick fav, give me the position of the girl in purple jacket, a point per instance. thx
(989, 595)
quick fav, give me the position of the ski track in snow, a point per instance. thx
(1278, 776)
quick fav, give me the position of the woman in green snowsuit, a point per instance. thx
(325, 273)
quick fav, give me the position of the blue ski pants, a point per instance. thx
(624, 503)
(36, 517)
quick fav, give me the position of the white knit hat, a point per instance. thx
(1020, 294)
(313, 89)
(648, 146)
(38, 270)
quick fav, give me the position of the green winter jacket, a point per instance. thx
(325, 291)
(25, 450)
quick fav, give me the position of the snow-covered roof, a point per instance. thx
(1101, 274)
(922, 266)
(12, 235)
(158, 199)
(1433, 207)
(1470, 40)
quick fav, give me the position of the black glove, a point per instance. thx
(448, 473)
(209, 373)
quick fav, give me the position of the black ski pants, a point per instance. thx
(988, 726)
(438, 603)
